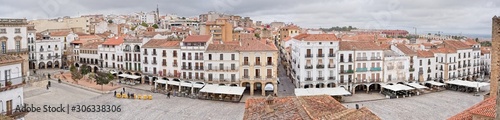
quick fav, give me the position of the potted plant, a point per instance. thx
(8, 83)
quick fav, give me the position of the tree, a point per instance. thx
(84, 69)
(144, 24)
(76, 75)
(477, 39)
(72, 68)
(102, 78)
(133, 28)
(155, 26)
(110, 21)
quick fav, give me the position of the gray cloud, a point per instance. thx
(448, 16)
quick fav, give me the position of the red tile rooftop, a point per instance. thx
(456, 44)
(406, 50)
(59, 33)
(425, 54)
(197, 38)
(316, 37)
(485, 108)
(113, 41)
(355, 45)
(256, 45)
(161, 43)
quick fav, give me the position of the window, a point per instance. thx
(3, 30)
(233, 77)
(221, 66)
(269, 73)
(221, 77)
(17, 30)
(209, 56)
(4, 46)
(233, 66)
(232, 57)
(164, 53)
(154, 51)
(145, 69)
(420, 62)
(221, 57)
(18, 46)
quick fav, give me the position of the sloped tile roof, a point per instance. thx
(197, 38)
(59, 33)
(425, 54)
(317, 37)
(113, 41)
(222, 47)
(456, 44)
(161, 43)
(256, 45)
(486, 107)
(405, 49)
(92, 45)
(355, 45)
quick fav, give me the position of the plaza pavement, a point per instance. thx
(158, 108)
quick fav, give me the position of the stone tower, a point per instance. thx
(495, 62)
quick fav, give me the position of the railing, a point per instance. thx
(320, 66)
(320, 78)
(309, 55)
(175, 64)
(361, 58)
(331, 66)
(187, 68)
(257, 63)
(309, 67)
(375, 58)
(412, 69)
(137, 50)
(331, 78)
(361, 69)
(126, 50)
(308, 79)
(346, 71)
(269, 76)
(246, 63)
(331, 55)
(258, 77)
(221, 69)
(145, 62)
(390, 67)
(270, 64)
(154, 63)
(321, 55)
(376, 69)
(246, 77)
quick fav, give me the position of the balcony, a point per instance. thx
(198, 68)
(361, 58)
(269, 76)
(321, 55)
(331, 66)
(246, 77)
(175, 64)
(186, 68)
(309, 67)
(390, 67)
(376, 69)
(401, 67)
(320, 78)
(375, 58)
(246, 63)
(320, 66)
(154, 63)
(412, 69)
(270, 64)
(258, 77)
(361, 69)
(145, 62)
(331, 78)
(309, 55)
(346, 71)
(257, 63)
(126, 50)
(331, 55)
(308, 79)
(41, 50)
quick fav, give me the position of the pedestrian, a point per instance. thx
(34, 71)
(115, 92)
(128, 94)
(48, 83)
(48, 75)
(123, 89)
(168, 95)
(121, 93)
(59, 80)
(47, 86)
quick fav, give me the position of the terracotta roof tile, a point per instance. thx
(59, 33)
(256, 45)
(317, 37)
(222, 47)
(406, 50)
(197, 38)
(303, 108)
(425, 54)
(470, 42)
(92, 45)
(4, 58)
(481, 108)
(443, 50)
(161, 43)
(456, 44)
(113, 41)
(356, 45)
(485, 50)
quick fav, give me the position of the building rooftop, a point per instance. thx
(113, 41)
(485, 108)
(223, 47)
(355, 45)
(59, 33)
(91, 45)
(406, 50)
(161, 43)
(485, 50)
(443, 50)
(197, 38)
(4, 58)
(316, 37)
(303, 108)
(456, 44)
(470, 42)
(425, 54)
(256, 45)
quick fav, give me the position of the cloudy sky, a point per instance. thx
(428, 16)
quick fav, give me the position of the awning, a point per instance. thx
(173, 83)
(397, 87)
(113, 72)
(134, 76)
(161, 81)
(123, 75)
(185, 84)
(416, 85)
(196, 85)
(468, 83)
(229, 90)
(338, 91)
(435, 83)
(269, 87)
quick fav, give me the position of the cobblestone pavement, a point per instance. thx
(285, 87)
(433, 106)
(158, 108)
